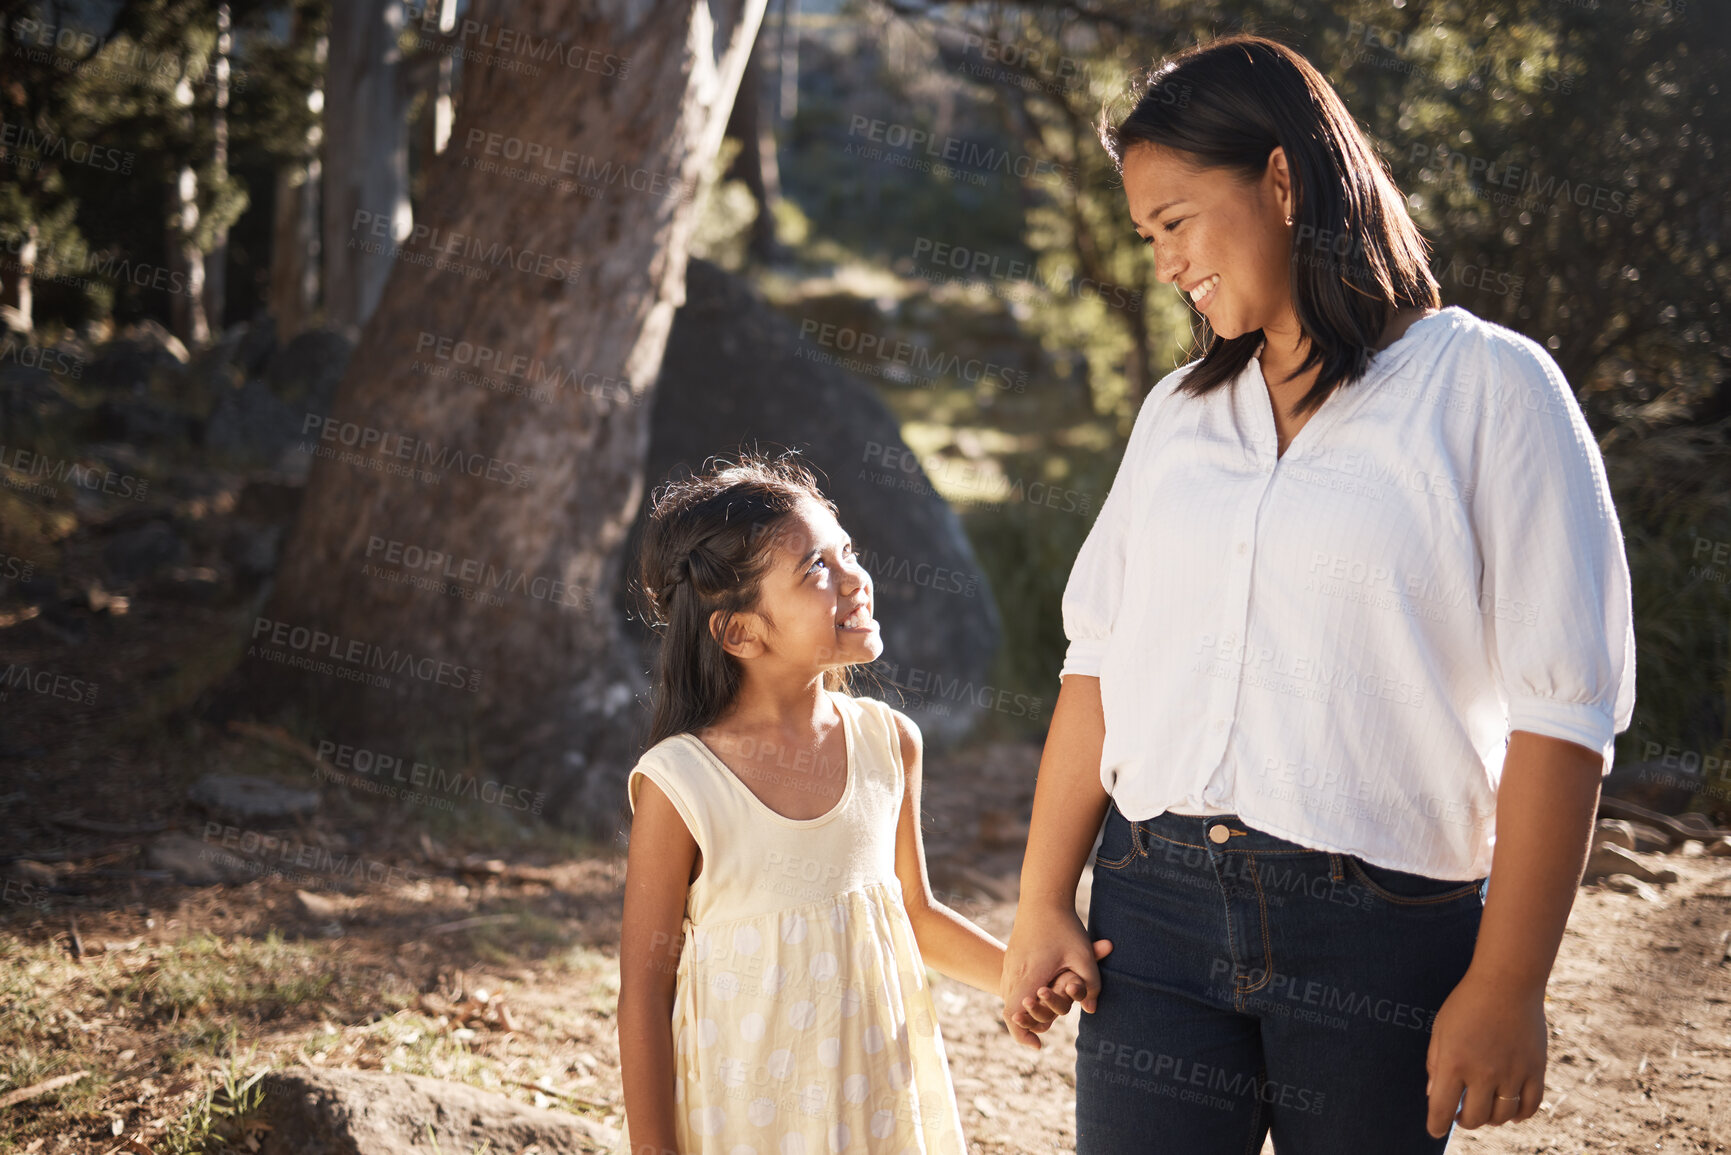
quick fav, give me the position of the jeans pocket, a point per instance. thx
(1121, 843)
(1404, 889)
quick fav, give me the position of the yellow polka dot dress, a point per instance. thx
(802, 1020)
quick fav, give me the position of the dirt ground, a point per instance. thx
(498, 968)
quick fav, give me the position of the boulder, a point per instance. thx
(305, 372)
(1607, 859)
(737, 372)
(337, 1112)
(1654, 785)
(129, 363)
(1719, 848)
(252, 422)
(251, 799)
(1615, 831)
(136, 554)
(1627, 884)
(196, 863)
(1650, 839)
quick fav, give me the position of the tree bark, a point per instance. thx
(366, 157)
(216, 261)
(554, 706)
(756, 164)
(295, 245)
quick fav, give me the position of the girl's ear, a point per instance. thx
(743, 636)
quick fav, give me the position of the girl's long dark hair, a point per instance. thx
(709, 541)
(1228, 104)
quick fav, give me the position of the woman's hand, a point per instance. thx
(1489, 1041)
(1042, 945)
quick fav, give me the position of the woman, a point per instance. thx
(1355, 612)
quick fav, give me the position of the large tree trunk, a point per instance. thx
(216, 261)
(366, 157)
(756, 163)
(555, 704)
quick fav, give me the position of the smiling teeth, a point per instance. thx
(858, 618)
(1204, 288)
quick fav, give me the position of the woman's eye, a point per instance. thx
(1170, 225)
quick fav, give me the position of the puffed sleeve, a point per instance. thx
(1554, 592)
(1096, 583)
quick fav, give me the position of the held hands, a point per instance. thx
(1049, 966)
(1489, 1041)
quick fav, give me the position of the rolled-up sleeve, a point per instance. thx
(1096, 585)
(1554, 594)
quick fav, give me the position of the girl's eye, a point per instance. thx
(815, 563)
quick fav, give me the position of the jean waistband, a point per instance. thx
(1201, 830)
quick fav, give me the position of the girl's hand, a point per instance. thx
(1044, 944)
(1488, 1040)
(1052, 1002)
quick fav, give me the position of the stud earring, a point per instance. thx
(1289, 220)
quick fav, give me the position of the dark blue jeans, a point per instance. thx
(1256, 984)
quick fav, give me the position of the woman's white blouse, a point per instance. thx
(1335, 644)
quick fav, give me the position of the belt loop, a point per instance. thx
(1335, 870)
(1136, 840)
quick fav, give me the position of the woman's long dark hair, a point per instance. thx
(710, 539)
(1228, 103)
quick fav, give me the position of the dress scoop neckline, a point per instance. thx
(848, 743)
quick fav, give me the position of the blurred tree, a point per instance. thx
(366, 161)
(624, 120)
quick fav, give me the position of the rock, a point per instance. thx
(1719, 847)
(733, 372)
(1627, 884)
(139, 421)
(251, 799)
(1698, 820)
(253, 549)
(337, 1112)
(1615, 831)
(252, 422)
(1650, 839)
(34, 873)
(1654, 785)
(1692, 848)
(139, 553)
(131, 362)
(306, 372)
(1608, 858)
(195, 863)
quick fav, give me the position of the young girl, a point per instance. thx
(778, 918)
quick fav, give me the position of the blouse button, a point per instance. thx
(1243, 548)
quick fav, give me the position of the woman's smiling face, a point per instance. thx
(1221, 239)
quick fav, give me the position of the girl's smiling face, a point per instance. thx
(1222, 240)
(815, 605)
